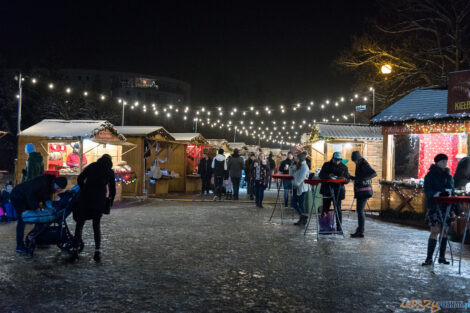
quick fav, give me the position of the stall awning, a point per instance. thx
(99, 131)
(322, 131)
(145, 131)
(217, 142)
(190, 138)
(420, 104)
(237, 145)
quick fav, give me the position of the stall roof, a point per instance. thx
(420, 104)
(346, 131)
(73, 129)
(217, 142)
(189, 137)
(236, 145)
(144, 131)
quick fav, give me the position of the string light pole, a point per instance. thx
(373, 100)
(20, 100)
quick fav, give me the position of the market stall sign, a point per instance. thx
(407, 129)
(458, 98)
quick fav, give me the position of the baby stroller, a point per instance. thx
(50, 224)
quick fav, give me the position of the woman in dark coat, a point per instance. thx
(94, 182)
(437, 182)
(362, 189)
(462, 173)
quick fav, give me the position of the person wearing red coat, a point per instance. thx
(73, 159)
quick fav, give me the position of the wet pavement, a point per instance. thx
(184, 256)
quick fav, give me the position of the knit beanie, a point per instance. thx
(356, 155)
(440, 157)
(29, 148)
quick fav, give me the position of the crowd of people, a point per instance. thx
(224, 176)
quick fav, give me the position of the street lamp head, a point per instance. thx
(386, 69)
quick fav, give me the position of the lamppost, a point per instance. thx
(20, 100)
(234, 133)
(123, 111)
(195, 127)
(373, 100)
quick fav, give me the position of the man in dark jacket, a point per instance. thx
(219, 167)
(235, 166)
(29, 195)
(362, 189)
(34, 164)
(94, 182)
(331, 170)
(287, 184)
(272, 166)
(205, 171)
(249, 181)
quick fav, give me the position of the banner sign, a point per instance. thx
(458, 97)
(449, 128)
(360, 108)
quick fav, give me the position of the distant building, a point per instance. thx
(131, 86)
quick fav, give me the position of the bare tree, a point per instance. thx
(423, 40)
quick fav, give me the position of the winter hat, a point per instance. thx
(221, 151)
(356, 155)
(29, 148)
(61, 182)
(337, 155)
(440, 157)
(76, 146)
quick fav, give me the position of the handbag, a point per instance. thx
(107, 207)
(363, 189)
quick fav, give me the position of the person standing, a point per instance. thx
(28, 196)
(205, 171)
(437, 182)
(286, 183)
(272, 166)
(5, 203)
(235, 166)
(249, 179)
(362, 189)
(301, 188)
(259, 173)
(34, 164)
(73, 159)
(332, 170)
(95, 182)
(462, 173)
(219, 166)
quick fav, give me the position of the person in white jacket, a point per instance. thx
(301, 173)
(219, 169)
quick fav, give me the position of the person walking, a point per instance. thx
(34, 164)
(272, 166)
(259, 174)
(286, 183)
(332, 170)
(248, 177)
(219, 166)
(362, 189)
(204, 169)
(96, 181)
(437, 182)
(302, 172)
(235, 166)
(28, 196)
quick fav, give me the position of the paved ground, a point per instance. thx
(168, 256)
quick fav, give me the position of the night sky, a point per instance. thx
(231, 52)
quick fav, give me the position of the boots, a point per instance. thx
(97, 256)
(302, 220)
(431, 246)
(442, 252)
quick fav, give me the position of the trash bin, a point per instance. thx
(318, 199)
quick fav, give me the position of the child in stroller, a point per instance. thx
(50, 225)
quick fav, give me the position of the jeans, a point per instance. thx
(287, 184)
(259, 193)
(19, 207)
(235, 186)
(298, 202)
(206, 184)
(361, 214)
(326, 208)
(218, 185)
(249, 187)
(96, 231)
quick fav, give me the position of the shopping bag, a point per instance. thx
(326, 222)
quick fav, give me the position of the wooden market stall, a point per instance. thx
(150, 160)
(325, 139)
(241, 146)
(188, 152)
(415, 129)
(68, 146)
